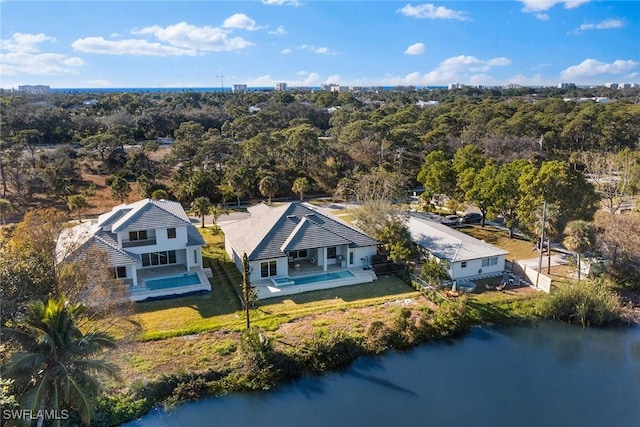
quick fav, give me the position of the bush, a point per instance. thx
(589, 302)
(326, 351)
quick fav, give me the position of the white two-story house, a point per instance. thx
(150, 244)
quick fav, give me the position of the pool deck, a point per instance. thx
(266, 288)
(141, 293)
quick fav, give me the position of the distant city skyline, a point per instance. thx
(200, 44)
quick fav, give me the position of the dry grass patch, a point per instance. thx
(518, 248)
(191, 353)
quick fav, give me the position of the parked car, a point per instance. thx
(471, 218)
(451, 220)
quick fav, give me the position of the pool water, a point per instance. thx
(304, 280)
(172, 282)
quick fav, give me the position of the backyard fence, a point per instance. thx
(537, 279)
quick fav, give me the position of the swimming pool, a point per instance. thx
(172, 282)
(304, 280)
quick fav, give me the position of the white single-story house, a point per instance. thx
(151, 245)
(464, 256)
(295, 248)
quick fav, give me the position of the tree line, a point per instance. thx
(231, 142)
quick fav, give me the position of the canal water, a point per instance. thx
(547, 374)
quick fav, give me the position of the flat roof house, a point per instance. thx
(465, 257)
(294, 248)
(150, 244)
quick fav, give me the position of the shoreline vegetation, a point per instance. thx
(309, 333)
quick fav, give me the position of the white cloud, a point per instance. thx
(431, 11)
(240, 21)
(281, 2)
(39, 64)
(543, 16)
(415, 49)
(319, 50)
(457, 69)
(334, 78)
(592, 67)
(261, 81)
(607, 24)
(191, 37)
(20, 42)
(542, 5)
(278, 31)
(21, 55)
(285, 51)
(135, 47)
(306, 78)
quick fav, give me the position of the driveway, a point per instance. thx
(230, 217)
(558, 259)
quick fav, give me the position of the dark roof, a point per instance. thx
(194, 238)
(271, 232)
(147, 214)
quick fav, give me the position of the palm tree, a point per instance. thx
(579, 237)
(301, 185)
(200, 207)
(268, 186)
(553, 223)
(54, 371)
(5, 209)
(216, 211)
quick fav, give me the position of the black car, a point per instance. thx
(471, 218)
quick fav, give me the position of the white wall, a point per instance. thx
(282, 266)
(162, 242)
(473, 268)
(361, 255)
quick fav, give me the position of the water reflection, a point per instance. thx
(547, 374)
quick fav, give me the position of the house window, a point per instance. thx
(331, 252)
(489, 261)
(158, 258)
(302, 253)
(163, 258)
(268, 268)
(195, 256)
(463, 264)
(171, 233)
(351, 258)
(119, 272)
(138, 235)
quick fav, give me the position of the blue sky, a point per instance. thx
(134, 44)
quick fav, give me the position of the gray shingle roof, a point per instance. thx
(149, 214)
(106, 241)
(78, 242)
(447, 243)
(270, 232)
(194, 238)
(106, 220)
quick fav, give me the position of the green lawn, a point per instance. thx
(222, 308)
(518, 248)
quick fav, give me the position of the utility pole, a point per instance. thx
(221, 82)
(246, 287)
(544, 213)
